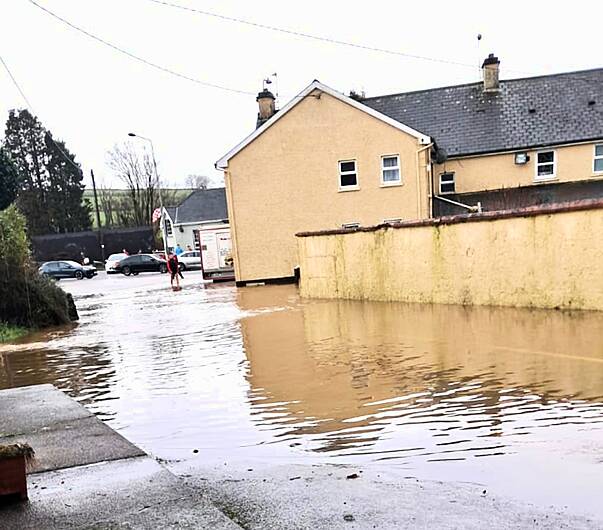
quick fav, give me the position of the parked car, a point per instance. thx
(191, 259)
(66, 269)
(112, 261)
(140, 263)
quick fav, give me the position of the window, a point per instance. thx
(598, 163)
(545, 165)
(348, 178)
(447, 184)
(390, 170)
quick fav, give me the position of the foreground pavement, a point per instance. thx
(340, 497)
(87, 476)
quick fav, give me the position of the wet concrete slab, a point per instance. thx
(135, 493)
(62, 432)
(85, 475)
(35, 408)
(331, 497)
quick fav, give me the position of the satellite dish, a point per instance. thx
(441, 155)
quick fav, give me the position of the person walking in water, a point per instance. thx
(174, 268)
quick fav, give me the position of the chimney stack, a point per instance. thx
(490, 70)
(266, 103)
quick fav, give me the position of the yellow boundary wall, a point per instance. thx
(547, 257)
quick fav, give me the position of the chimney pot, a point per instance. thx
(266, 103)
(490, 70)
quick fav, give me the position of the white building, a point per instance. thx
(201, 223)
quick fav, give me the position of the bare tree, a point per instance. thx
(197, 182)
(135, 170)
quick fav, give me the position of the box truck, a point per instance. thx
(216, 253)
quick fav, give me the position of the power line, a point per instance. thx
(31, 109)
(15, 82)
(330, 39)
(138, 58)
(311, 36)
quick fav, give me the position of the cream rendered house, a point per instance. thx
(328, 161)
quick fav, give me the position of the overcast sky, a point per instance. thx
(91, 96)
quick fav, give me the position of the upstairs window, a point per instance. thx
(545, 165)
(447, 184)
(348, 177)
(598, 163)
(390, 170)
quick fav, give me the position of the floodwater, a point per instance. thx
(508, 398)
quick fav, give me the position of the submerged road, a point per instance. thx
(243, 391)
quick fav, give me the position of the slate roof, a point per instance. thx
(171, 210)
(525, 113)
(201, 206)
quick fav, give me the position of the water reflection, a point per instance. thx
(85, 373)
(396, 381)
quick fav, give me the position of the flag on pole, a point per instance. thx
(156, 214)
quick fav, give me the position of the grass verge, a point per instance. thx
(9, 333)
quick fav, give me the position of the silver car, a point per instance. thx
(191, 259)
(112, 262)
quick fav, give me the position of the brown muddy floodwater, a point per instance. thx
(512, 399)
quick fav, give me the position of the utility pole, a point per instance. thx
(98, 223)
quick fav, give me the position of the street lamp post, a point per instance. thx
(161, 221)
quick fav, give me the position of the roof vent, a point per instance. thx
(532, 111)
(591, 103)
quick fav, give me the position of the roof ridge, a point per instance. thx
(478, 83)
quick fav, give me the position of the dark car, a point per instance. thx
(66, 269)
(140, 263)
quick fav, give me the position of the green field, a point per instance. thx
(171, 197)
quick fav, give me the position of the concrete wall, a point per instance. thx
(548, 257)
(287, 180)
(492, 172)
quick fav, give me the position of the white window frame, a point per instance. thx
(553, 176)
(387, 183)
(351, 187)
(448, 182)
(597, 157)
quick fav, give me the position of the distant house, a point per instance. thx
(328, 161)
(201, 222)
